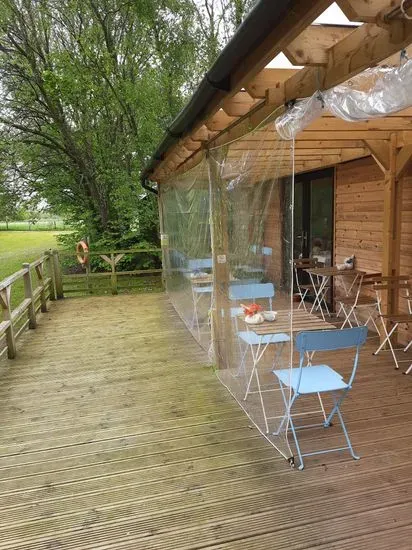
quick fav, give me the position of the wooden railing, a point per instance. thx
(47, 285)
(43, 280)
(86, 281)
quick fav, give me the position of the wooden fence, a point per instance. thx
(42, 282)
(114, 279)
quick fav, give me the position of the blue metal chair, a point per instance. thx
(316, 379)
(199, 264)
(255, 343)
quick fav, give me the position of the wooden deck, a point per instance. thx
(115, 434)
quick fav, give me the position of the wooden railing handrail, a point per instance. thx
(126, 251)
(8, 281)
(35, 298)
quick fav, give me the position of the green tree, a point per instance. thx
(87, 88)
(217, 20)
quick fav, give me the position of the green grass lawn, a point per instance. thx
(18, 247)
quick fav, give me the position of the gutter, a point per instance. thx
(217, 82)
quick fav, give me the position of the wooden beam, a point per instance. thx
(239, 104)
(380, 150)
(392, 124)
(392, 215)
(403, 159)
(365, 11)
(268, 78)
(310, 47)
(299, 15)
(364, 47)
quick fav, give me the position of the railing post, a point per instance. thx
(5, 295)
(50, 272)
(58, 281)
(28, 292)
(40, 276)
(113, 277)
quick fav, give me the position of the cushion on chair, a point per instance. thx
(315, 378)
(253, 339)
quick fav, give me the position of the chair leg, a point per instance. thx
(336, 410)
(348, 441)
(409, 369)
(295, 437)
(387, 337)
(408, 346)
(347, 318)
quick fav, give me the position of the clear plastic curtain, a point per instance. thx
(186, 244)
(374, 93)
(251, 197)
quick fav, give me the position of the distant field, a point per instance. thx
(42, 225)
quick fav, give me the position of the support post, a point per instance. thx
(28, 293)
(5, 297)
(164, 240)
(113, 277)
(57, 273)
(221, 319)
(392, 215)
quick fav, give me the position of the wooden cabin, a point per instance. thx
(359, 171)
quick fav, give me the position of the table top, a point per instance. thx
(332, 271)
(302, 320)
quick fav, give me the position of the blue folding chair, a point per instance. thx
(255, 343)
(199, 264)
(317, 379)
(254, 291)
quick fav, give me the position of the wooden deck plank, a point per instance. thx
(116, 434)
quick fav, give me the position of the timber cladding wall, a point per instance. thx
(359, 218)
(359, 213)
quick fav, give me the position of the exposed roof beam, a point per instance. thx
(366, 46)
(310, 47)
(380, 150)
(373, 11)
(239, 104)
(268, 78)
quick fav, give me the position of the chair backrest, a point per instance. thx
(365, 280)
(305, 263)
(200, 263)
(251, 291)
(331, 340)
(265, 250)
(394, 283)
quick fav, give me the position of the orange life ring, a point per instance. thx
(82, 252)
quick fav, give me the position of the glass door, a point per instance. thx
(313, 220)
